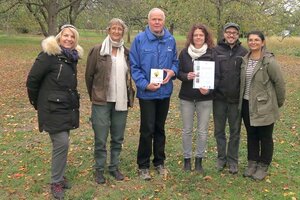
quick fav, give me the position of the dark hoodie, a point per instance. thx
(230, 60)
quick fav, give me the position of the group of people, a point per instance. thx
(248, 86)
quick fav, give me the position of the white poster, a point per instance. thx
(205, 74)
(157, 76)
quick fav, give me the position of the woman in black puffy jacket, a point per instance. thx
(51, 86)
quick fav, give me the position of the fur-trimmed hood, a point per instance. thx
(51, 47)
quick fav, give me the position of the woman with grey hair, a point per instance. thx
(51, 86)
(110, 89)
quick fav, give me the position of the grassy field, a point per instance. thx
(25, 153)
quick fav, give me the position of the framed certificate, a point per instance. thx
(156, 76)
(205, 74)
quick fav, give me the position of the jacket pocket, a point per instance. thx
(264, 104)
(58, 102)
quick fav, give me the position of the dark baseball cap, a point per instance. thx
(231, 24)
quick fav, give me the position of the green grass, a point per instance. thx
(25, 153)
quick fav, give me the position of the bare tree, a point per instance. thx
(46, 12)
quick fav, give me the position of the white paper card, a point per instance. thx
(157, 76)
(205, 74)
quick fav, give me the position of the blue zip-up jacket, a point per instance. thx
(148, 51)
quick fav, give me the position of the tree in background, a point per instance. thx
(46, 12)
(270, 16)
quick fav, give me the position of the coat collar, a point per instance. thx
(51, 47)
(152, 37)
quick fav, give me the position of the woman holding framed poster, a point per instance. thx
(199, 47)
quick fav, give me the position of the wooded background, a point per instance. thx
(273, 17)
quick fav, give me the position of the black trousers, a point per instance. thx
(259, 138)
(153, 115)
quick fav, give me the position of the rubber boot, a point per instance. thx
(198, 166)
(261, 172)
(251, 169)
(187, 164)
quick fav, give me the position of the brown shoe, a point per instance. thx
(99, 177)
(220, 165)
(233, 168)
(117, 175)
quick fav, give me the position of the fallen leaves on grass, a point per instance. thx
(16, 175)
(207, 178)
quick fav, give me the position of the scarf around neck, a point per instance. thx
(107, 45)
(72, 54)
(196, 53)
(121, 70)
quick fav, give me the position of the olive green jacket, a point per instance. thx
(267, 90)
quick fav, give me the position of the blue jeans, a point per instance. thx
(152, 131)
(223, 111)
(188, 110)
(106, 119)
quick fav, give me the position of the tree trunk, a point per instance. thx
(128, 36)
(171, 28)
(219, 7)
(52, 10)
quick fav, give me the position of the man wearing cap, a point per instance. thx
(225, 105)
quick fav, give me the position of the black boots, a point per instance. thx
(187, 164)
(198, 166)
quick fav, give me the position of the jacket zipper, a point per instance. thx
(60, 68)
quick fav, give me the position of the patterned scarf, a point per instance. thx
(72, 54)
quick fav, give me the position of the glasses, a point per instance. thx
(231, 33)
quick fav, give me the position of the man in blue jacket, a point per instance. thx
(155, 49)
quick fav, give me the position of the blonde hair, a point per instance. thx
(72, 29)
(116, 21)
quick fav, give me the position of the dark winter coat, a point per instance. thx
(51, 86)
(230, 60)
(187, 92)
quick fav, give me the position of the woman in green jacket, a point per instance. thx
(262, 92)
